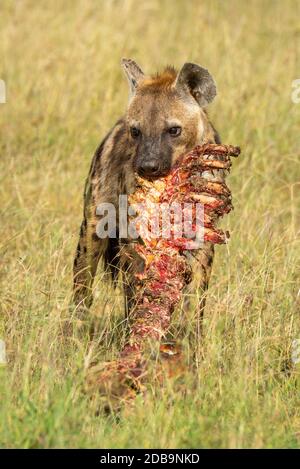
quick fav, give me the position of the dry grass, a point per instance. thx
(64, 90)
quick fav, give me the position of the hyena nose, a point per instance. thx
(149, 168)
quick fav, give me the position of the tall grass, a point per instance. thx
(61, 65)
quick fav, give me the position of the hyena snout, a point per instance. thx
(153, 164)
(149, 168)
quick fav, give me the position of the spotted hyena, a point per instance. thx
(165, 117)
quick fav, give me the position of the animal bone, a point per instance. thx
(166, 270)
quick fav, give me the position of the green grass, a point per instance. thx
(64, 90)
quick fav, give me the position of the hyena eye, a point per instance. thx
(174, 131)
(135, 132)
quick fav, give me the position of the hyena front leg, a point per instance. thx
(88, 252)
(90, 249)
(201, 262)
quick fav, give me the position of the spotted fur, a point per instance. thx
(155, 102)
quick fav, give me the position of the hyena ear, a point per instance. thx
(198, 81)
(133, 73)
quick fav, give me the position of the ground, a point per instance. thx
(65, 88)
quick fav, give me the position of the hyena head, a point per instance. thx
(165, 115)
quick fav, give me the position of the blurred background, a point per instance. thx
(60, 62)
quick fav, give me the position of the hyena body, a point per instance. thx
(165, 118)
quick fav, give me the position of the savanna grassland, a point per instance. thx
(65, 88)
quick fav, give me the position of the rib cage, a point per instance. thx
(166, 271)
